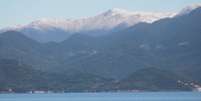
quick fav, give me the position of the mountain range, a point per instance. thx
(163, 54)
(46, 30)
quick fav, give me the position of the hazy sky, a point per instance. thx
(15, 12)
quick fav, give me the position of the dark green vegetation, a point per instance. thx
(156, 80)
(123, 60)
(22, 78)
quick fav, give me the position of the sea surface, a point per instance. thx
(149, 96)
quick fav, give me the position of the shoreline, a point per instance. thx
(114, 92)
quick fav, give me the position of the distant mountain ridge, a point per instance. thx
(46, 30)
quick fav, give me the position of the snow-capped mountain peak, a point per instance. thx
(189, 8)
(116, 11)
(105, 20)
(43, 28)
(116, 16)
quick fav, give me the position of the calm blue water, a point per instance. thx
(162, 96)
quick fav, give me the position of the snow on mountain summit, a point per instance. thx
(105, 20)
(189, 8)
(42, 29)
(45, 30)
(116, 11)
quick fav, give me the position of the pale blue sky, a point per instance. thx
(13, 12)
